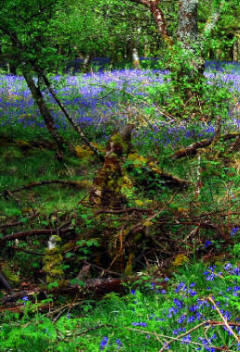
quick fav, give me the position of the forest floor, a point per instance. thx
(160, 271)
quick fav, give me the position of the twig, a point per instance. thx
(103, 270)
(119, 211)
(182, 335)
(22, 235)
(16, 223)
(192, 148)
(224, 319)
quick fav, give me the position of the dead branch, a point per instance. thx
(24, 234)
(20, 308)
(79, 184)
(16, 223)
(119, 211)
(226, 323)
(235, 146)
(102, 269)
(192, 149)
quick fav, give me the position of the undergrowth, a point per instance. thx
(197, 309)
(192, 243)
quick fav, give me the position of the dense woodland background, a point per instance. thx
(119, 175)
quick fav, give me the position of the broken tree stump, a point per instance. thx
(107, 186)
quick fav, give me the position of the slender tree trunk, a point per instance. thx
(86, 63)
(39, 100)
(135, 58)
(74, 125)
(236, 47)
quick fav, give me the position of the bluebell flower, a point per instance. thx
(228, 266)
(140, 324)
(153, 285)
(25, 298)
(234, 231)
(207, 244)
(178, 303)
(182, 318)
(103, 343)
(191, 319)
(186, 339)
(119, 343)
(172, 311)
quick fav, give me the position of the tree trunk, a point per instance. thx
(135, 58)
(187, 23)
(38, 98)
(236, 48)
(192, 63)
(159, 18)
(188, 34)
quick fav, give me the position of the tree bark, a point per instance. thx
(39, 100)
(187, 23)
(192, 65)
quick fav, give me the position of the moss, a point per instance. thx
(109, 188)
(53, 261)
(12, 154)
(10, 276)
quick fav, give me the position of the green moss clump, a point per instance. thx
(53, 261)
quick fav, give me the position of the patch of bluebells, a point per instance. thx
(89, 105)
(187, 310)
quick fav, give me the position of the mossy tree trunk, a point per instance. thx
(107, 185)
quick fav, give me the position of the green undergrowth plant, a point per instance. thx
(189, 94)
(196, 309)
